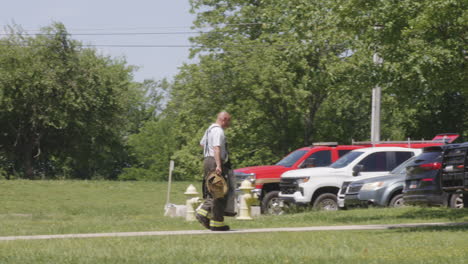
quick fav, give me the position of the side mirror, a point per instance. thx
(357, 169)
(308, 163)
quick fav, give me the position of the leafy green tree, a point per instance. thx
(64, 108)
(271, 64)
(423, 44)
(294, 72)
(153, 143)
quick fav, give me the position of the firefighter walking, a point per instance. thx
(216, 167)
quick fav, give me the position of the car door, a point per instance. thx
(381, 163)
(320, 158)
(376, 164)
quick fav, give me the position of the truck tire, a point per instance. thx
(271, 204)
(326, 202)
(456, 201)
(465, 200)
(397, 201)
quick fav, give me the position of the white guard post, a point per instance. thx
(246, 200)
(172, 210)
(192, 202)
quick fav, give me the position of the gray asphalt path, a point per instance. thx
(232, 232)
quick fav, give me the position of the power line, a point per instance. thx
(121, 33)
(193, 46)
(143, 46)
(146, 28)
(110, 28)
(162, 46)
(112, 33)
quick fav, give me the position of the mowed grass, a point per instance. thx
(430, 245)
(64, 207)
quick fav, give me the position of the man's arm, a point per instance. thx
(217, 156)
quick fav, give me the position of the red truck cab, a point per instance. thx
(266, 178)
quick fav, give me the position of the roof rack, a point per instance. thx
(409, 142)
(315, 144)
(443, 138)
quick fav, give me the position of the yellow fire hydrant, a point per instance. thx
(246, 200)
(192, 202)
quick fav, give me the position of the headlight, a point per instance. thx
(252, 177)
(303, 180)
(241, 176)
(372, 186)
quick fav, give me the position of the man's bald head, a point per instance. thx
(224, 119)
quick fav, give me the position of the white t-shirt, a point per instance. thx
(216, 138)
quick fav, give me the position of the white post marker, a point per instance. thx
(169, 181)
(169, 209)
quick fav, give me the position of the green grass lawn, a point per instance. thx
(63, 207)
(395, 246)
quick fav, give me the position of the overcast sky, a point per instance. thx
(115, 16)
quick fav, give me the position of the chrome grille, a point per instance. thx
(288, 186)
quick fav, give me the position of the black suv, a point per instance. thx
(422, 182)
(454, 175)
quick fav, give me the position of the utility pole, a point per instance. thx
(376, 99)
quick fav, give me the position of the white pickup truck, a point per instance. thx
(319, 186)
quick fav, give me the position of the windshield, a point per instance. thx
(346, 159)
(402, 167)
(290, 159)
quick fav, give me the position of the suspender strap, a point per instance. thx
(206, 140)
(207, 133)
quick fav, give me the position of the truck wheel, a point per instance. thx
(271, 204)
(326, 202)
(456, 201)
(397, 201)
(465, 200)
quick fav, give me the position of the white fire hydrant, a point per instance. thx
(192, 202)
(246, 200)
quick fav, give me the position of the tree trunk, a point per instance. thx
(309, 121)
(309, 124)
(28, 164)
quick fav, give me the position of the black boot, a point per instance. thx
(220, 228)
(231, 214)
(205, 221)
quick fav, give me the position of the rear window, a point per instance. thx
(321, 158)
(429, 156)
(375, 162)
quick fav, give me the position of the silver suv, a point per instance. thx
(382, 191)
